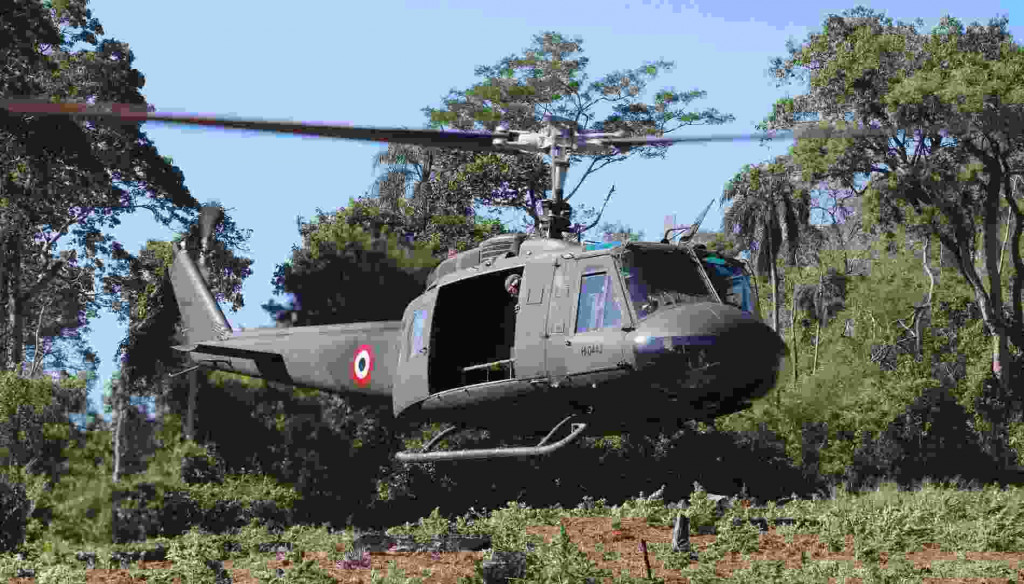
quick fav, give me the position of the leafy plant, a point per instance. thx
(561, 561)
(701, 511)
(61, 574)
(14, 508)
(190, 553)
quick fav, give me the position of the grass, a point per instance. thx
(883, 523)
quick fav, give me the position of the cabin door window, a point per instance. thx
(598, 308)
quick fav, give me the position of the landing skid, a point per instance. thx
(542, 448)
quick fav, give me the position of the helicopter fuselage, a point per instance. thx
(631, 336)
(586, 333)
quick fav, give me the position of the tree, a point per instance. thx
(352, 267)
(34, 425)
(144, 300)
(843, 220)
(549, 78)
(60, 176)
(951, 105)
(769, 206)
(618, 231)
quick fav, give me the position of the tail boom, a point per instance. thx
(342, 358)
(345, 358)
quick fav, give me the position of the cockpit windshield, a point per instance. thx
(657, 278)
(666, 277)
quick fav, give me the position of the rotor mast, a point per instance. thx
(557, 212)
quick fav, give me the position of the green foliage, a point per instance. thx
(67, 183)
(550, 77)
(434, 525)
(561, 561)
(81, 500)
(507, 528)
(16, 391)
(849, 392)
(342, 232)
(14, 509)
(701, 511)
(62, 574)
(189, 555)
(866, 70)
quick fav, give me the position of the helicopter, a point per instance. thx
(607, 337)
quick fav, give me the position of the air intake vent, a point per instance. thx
(501, 245)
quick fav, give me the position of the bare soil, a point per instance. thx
(585, 532)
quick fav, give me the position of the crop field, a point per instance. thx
(932, 534)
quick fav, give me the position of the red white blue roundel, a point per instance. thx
(362, 365)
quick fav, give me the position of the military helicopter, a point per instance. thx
(520, 333)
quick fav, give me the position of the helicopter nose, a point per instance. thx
(713, 356)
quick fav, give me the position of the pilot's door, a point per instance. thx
(590, 335)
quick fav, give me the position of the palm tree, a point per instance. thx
(769, 206)
(403, 164)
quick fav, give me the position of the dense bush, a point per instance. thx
(14, 508)
(202, 469)
(134, 516)
(932, 439)
(178, 513)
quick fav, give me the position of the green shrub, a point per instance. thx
(14, 508)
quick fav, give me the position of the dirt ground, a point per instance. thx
(447, 568)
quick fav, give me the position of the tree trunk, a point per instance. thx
(775, 282)
(1017, 287)
(193, 388)
(118, 427)
(926, 306)
(3, 299)
(817, 331)
(15, 332)
(993, 313)
(792, 336)
(1006, 238)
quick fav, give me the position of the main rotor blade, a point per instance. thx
(810, 131)
(131, 114)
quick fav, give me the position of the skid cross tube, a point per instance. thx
(487, 453)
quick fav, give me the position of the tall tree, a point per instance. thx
(951, 105)
(550, 78)
(144, 300)
(838, 207)
(769, 205)
(59, 176)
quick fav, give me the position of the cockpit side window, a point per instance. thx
(598, 307)
(731, 282)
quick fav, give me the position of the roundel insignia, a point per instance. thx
(362, 365)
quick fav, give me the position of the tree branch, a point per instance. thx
(601, 212)
(591, 169)
(43, 280)
(593, 161)
(37, 359)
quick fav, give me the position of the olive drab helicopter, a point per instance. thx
(521, 333)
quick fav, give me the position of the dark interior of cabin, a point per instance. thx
(474, 324)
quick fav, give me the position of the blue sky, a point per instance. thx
(378, 63)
